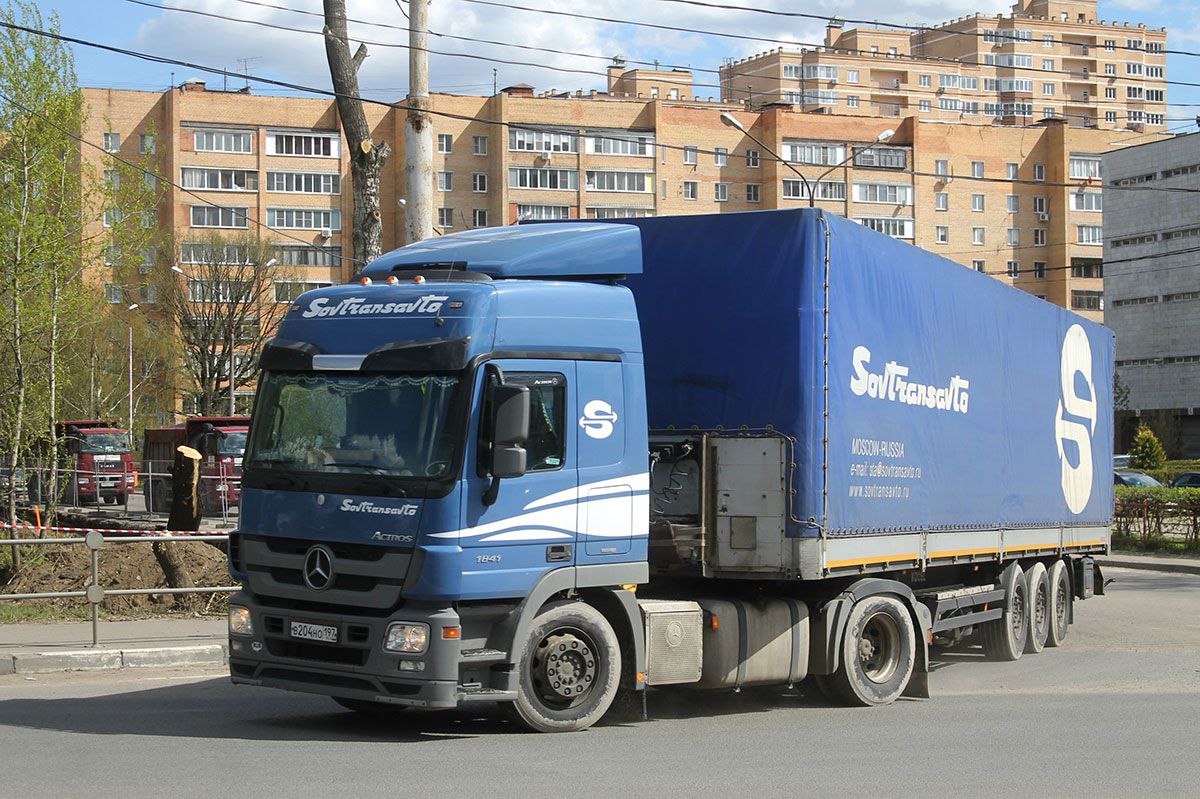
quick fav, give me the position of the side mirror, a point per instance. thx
(510, 428)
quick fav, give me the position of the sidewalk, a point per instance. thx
(67, 646)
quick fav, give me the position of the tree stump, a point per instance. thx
(186, 512)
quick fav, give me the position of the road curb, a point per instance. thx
(1155, 564)
(101, 659)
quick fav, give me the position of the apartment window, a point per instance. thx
(191, 252)
(752, 159)
(1010, 171)
(112, 142)
(1048, 89)
(1155, 95)
(977, 236)
(889, 193)
(112, 217)
(689, 155)
(306, 145)
(445, 144)
(690, 189)
(1089, 234)
(290, 290)
(542, 141)
(640, 146)
(891, 51)
(223, 141)
(941, 201)
(1039, 237)
(721, 192)
(445, 217)
(1014, 268)
(1133, 69)
(851, 101)
(112, 255)
(1039, 171)
(218, 179)
(1084, 167)
(1039, 270)
(615, 180)
(445, 181)
(825, 190)
(791, 71)
(881, 157)
(1014, 237)
(1087, 300)
(942, 233)
(112, 179)
(925, 81)
(1110, 93)
(149, 181)
(112, 292)
(212, 216)
(941, 167)
(1110, 69)
(813, 153)
(925, 105)
(1048, 64)
(1011, 204)
(1086, 201)
(544, 211)
(479, 217)
(1133, 92)
(852, 76)
(1047, 40)
(1080, 268)
(308, 255)
(479, 184)
(534, 178)
(149, 218)
(1039, 204)
(976, 169)
(304, 182)
(146, 145)
(1110, 45)
(977, 202)
(304, 218)
(979, 265)
(720, 156)
(479, 147)
(896, 227)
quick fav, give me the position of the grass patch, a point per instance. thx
(1166, 546)
(14, 612)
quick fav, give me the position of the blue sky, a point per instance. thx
(236, 44)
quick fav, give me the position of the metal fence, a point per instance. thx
(1148, 518)
(95, 540)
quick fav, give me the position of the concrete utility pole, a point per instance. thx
(418, 129)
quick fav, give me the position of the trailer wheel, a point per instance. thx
(1039, 608)
(877, 653)
(569, 670)
(1004, 638)
(1060, 603)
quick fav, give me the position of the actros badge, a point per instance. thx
(1076, 361)
(598, 418)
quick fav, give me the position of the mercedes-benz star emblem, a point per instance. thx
(318, 568)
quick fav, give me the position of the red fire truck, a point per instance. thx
(221, 440)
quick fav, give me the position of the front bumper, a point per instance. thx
(357, 666)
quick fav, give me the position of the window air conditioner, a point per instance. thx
(326, 233)
(1043, 216)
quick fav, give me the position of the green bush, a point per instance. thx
(1146, 452)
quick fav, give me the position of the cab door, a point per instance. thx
(531, 527)
(607, 490)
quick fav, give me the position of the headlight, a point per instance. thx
(406, 637)
(239, 621)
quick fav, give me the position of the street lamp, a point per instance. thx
(728, 119)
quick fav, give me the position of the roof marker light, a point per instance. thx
(419, 279)
(366, 281)
(392, 280)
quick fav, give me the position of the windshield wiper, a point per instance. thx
(355, 465)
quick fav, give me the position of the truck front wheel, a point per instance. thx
(569, 670)
(877, 654)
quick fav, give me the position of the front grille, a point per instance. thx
(324, 653)
(366, 578)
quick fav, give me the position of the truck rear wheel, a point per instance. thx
(877, 653)
(1004, 638)
(1060, 603)
(1039, 608)
(569, 669)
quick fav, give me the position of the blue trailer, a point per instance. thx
(552, 464)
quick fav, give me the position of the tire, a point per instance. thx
(569, 670)
(1004, 638)
(877, 653)
(1060, 603)
(1039, 608)
(377, 710)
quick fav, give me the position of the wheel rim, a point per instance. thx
(879, 647)
(564, 668)
(1017, 615)
(1041, 608)
(1060, 605)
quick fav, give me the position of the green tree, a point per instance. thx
(1146, 452)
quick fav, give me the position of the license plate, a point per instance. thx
(315, 632)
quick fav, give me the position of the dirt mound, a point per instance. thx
(68, 567)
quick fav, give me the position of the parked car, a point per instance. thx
(1131, 477)
(1121, 461)
(21, 479)
(1187, 480)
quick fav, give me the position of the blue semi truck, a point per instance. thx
(554, 464)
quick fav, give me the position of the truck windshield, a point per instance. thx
(353, 424)
(100, 443)
(234, 443)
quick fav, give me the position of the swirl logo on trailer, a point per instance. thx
(1076, 365)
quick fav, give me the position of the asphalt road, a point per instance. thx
(1112, 713)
